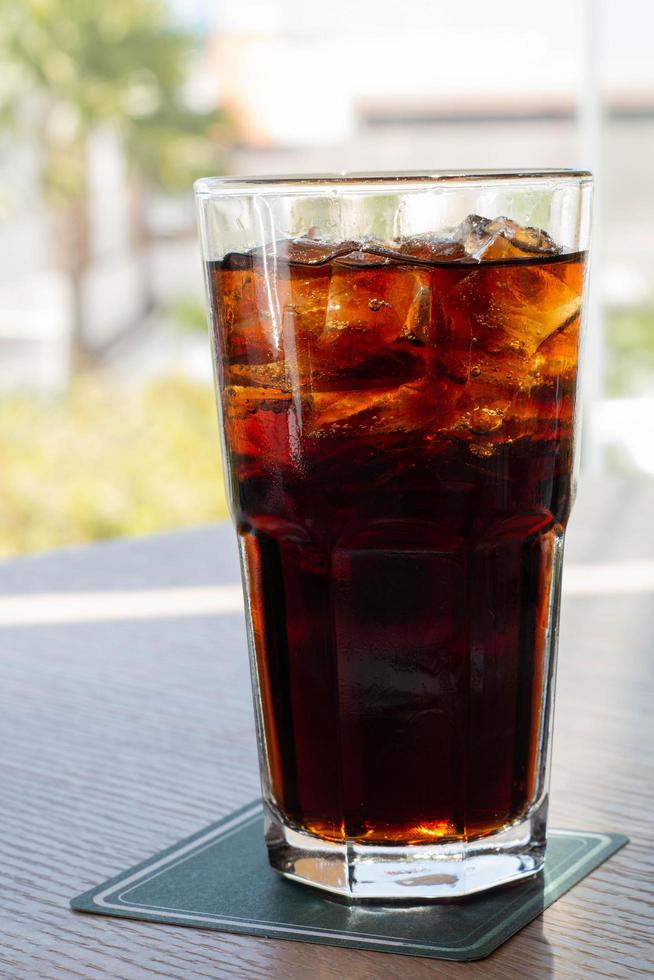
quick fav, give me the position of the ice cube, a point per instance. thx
(237, 261)
(483, 420)
(311, 251)
(243, 313)
(418, 249)
(368, 256)
(556, 357)
(303, 301)
(494, 417)
(431, 248)
(257, 422)
(272, 375)
(269, 309)
(417, 325)
(400, 408)
(304, 250)
(533, 305)
(372, 305)
(484, 239)
(513, 309)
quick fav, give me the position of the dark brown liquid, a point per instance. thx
(400, 454)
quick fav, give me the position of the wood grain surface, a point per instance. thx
(119, 737)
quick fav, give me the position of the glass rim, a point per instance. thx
(383, 180)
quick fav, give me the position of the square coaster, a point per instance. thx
(219, 878)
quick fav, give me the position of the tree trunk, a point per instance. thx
(70, 253)
(140, 238)
(77, 267)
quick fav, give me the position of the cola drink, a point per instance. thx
(398, 425)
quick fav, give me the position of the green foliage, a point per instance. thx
(630, 340)
(107, 461)
(71, 65)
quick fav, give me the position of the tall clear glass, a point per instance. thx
(396, 361)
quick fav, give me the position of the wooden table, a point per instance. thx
(122, 734)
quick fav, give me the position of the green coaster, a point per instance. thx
(219, 879)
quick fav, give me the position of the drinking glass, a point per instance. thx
(396, 362)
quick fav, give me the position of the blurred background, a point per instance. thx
(109, 111)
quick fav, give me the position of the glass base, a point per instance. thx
(364, 872)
